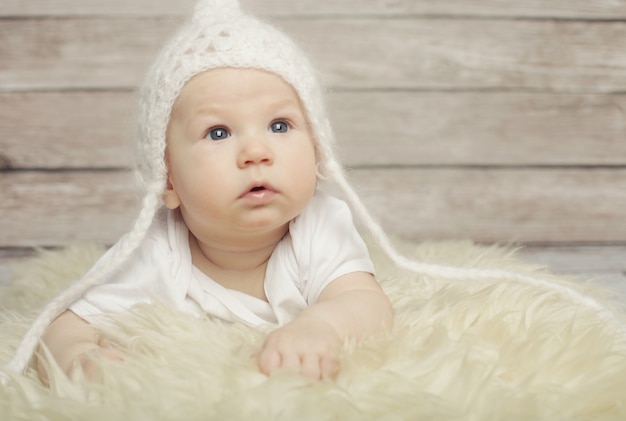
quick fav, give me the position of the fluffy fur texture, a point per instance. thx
(489, 349)
(220, 35)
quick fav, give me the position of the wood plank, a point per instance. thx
(443, 128)
(5, 275)
(11, 254)
(569, 9)
(408, 53)
(499, 205)
(66, 129)
(578, 259)
(49, 209)
(471, 54)
(78, 53)
(489, 205)
(94, 129)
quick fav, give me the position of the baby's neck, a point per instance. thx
(241, 259)
(240, 268)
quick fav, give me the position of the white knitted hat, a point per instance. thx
(220, 35)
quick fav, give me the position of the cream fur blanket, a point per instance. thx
(489, 350)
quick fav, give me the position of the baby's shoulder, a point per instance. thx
(324, 213)
(323, 205)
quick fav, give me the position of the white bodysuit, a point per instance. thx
(322, 244)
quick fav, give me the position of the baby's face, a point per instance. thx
(241, 157)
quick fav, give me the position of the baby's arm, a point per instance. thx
(353, 305)
(71, 339)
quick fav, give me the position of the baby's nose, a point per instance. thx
(255, 151)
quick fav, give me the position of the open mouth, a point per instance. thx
(259, 194)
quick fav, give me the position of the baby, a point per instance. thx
(233, 142)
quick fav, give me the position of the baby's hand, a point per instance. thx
(87, 360)
(306, 345)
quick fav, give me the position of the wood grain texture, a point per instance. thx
(580, 259)
(457, 128)
(95, 129)
(568, 9)
(409, 53)
(492, 120)
(43, 209)
(487, 205)
(495, 205)
(52, 130)
(91, 53)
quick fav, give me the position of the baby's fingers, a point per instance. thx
(269, 360)
(112, 354)
(318, 366)
(311, 366)
(329, 367)
(291, 361)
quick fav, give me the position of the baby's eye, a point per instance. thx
(280, 127)
(217, 133)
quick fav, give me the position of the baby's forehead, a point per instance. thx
(222, 77)
(221, 86)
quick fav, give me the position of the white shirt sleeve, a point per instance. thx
(327, 245)
(144, 278)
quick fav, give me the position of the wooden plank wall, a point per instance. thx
(496, 120)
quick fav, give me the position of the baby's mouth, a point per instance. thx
(259, 194)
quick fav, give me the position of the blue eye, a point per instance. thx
(217, 133)
(279, 127)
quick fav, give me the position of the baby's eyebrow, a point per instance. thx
(286, 104)
(206, 110)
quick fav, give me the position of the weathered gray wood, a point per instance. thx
(504, 205)
(48, 209)
(66, 129)
(599, 9)
(408, 53)
(71, 53)
(499, 205)
(94, 129)
(12, 254)
(420, 82)
(474, 54)
(581, 259)
(439, 128)
(5, 275)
